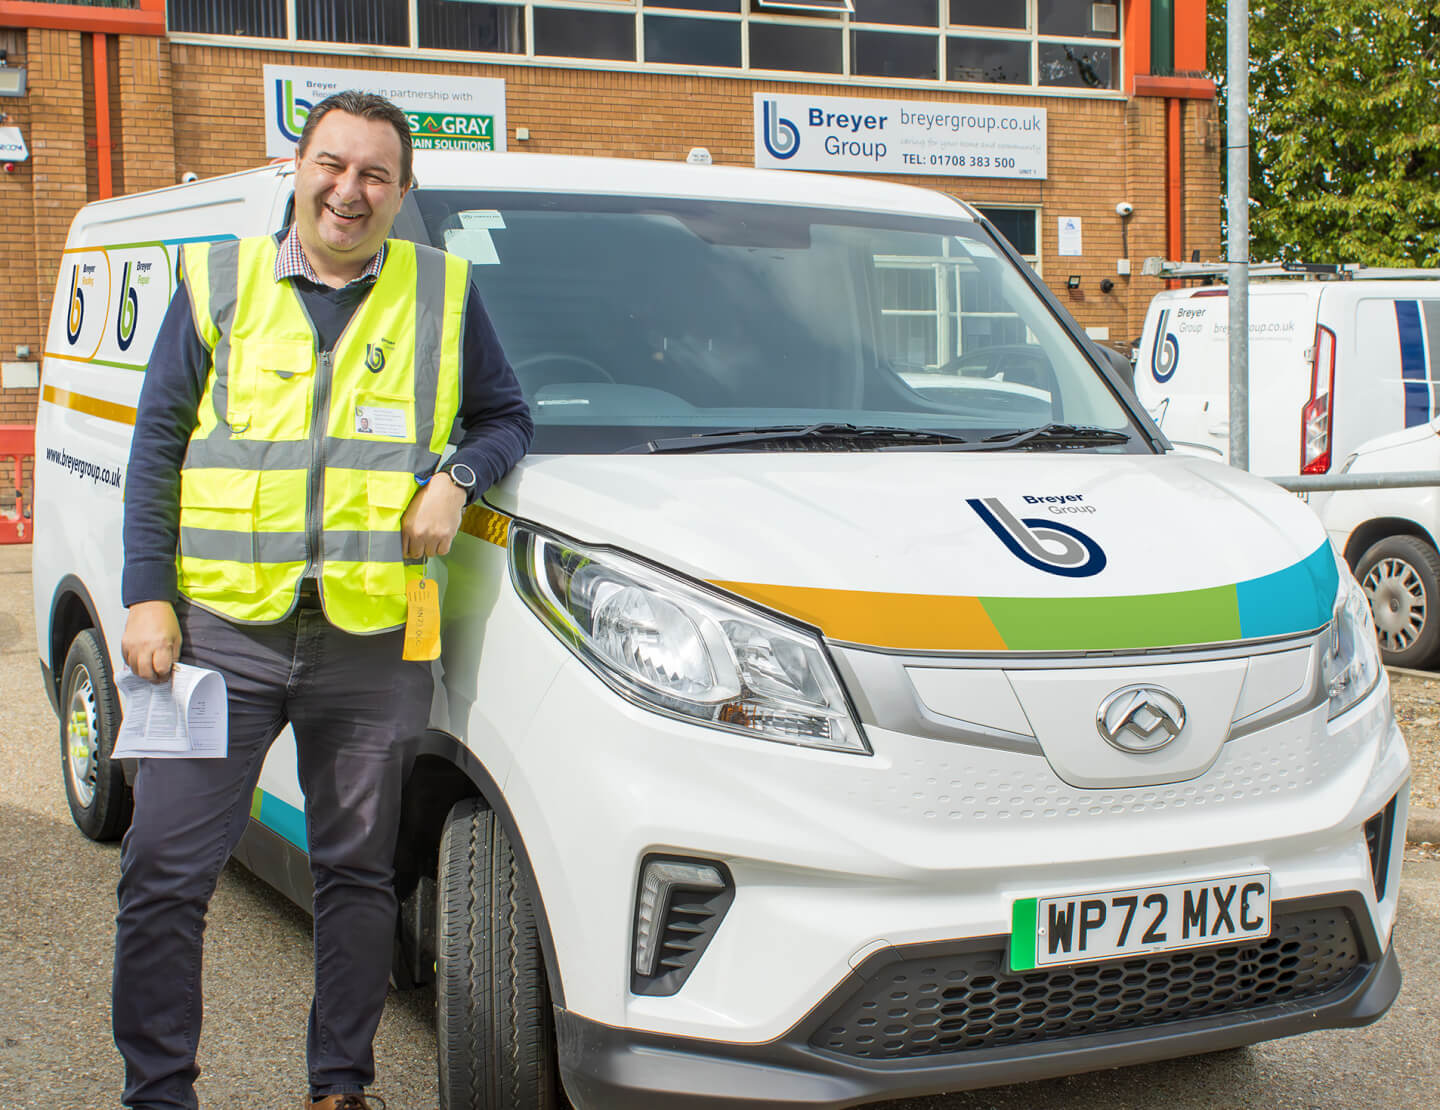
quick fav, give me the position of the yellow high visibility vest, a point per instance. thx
(303, 461)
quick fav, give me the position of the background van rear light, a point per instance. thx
(1318, 416)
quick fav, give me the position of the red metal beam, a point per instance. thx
(1189, 88)
(101, 76)
(147, 19)
(1174, 196)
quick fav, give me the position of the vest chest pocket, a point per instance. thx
(270, 388)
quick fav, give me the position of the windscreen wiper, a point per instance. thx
(875, 436)
(1047, 437)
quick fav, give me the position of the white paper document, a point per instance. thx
(187, 717)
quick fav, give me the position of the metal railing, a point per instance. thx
(1323, 483)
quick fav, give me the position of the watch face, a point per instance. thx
(462, 476)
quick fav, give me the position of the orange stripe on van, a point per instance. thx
(91, 406)
(485, 524)
(914, 622)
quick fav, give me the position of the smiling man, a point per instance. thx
(278, 503)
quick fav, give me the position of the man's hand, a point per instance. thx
(432, 518)
(150, 645)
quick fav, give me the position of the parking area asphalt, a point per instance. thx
(57, 908)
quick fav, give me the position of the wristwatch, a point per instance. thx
(463, 476)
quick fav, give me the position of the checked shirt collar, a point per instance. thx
(290, 262)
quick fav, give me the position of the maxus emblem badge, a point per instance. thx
(1140, 719)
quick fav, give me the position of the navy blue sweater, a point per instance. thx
(494, 421)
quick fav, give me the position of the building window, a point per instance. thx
(1078, 65)
(371, 22)
(1058, 45)
(692, 42)
(1020, 227)
(1079, 18)
(878, 54)
(792, 46)
(254, 18)
(1007, 14)
(904, 13)
(579, 33)
(988, 61)
(465, 25)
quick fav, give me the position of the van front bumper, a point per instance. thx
(605, 1068)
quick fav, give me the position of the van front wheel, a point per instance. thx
(95, 784)
(1401, 577)
(494, 1024)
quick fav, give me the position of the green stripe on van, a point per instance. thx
(1204, 616)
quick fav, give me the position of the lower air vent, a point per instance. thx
(1379, 833)
(678, 907)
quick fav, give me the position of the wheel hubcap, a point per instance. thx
(82, 733)
(1397, 599)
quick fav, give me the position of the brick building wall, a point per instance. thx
(182, 107)
(19, 304)
(1101, 152)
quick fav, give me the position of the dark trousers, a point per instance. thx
(355, 708)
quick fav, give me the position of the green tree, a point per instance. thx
(1345, 129)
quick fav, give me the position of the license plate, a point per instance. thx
(1080, 928)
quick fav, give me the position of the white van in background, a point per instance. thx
(1333, 364)
(1388, 536)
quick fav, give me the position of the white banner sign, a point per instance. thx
(861, 135)
(446, 113)
(12, 145)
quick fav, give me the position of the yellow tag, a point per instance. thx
(422, 620)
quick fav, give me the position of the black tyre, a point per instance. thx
(1401, 577)
(95, 785)
(494, 1023)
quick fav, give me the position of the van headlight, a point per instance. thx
(672, 647)
(1350, 657)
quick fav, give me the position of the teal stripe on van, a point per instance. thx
(1298, 598)
(280, 817)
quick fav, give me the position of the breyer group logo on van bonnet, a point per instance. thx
(445, 113)
(1044, 544)
(1165, 354)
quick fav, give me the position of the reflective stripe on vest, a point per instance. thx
(304, 459)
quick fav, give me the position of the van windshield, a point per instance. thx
(635, 319)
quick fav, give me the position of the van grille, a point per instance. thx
(967, 1002)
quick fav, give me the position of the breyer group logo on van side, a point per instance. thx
(75, 317)
(1165, 355)
(1044, 544)
(129, 314)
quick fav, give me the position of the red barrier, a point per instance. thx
(17, 443)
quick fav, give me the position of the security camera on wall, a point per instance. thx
(189, 176)
(1124, 208)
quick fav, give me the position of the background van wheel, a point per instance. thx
(1401, 577)
(494, 1024)
(95, 785)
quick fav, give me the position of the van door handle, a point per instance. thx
(1220, 428)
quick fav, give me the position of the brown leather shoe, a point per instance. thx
(345, 1102)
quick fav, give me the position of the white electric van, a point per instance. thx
(828, 712)
(1332, 365)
